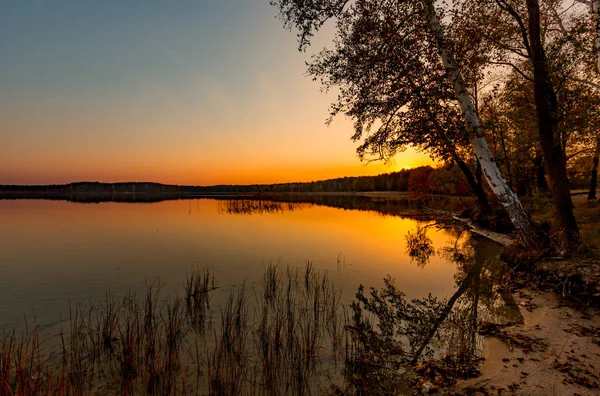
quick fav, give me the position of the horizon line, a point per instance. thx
(210, 185)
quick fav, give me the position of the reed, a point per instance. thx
(198, 285)
(281, 337)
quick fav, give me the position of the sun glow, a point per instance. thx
(138, 113)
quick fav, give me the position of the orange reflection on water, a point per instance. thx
(53, 252)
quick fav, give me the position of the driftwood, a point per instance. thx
(502, 239)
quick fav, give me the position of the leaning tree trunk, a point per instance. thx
(474, 181)
(478, 172)
(527, 228)
(476, 187)
(594, 178)
(554, 155)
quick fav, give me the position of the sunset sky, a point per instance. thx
(185, 92)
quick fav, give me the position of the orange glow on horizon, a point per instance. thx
(193, 172)
(156, 108)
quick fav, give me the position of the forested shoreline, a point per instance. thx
(485, 85)
(446, 180)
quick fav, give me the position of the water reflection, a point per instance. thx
(284, 335)
(419, 246)
(55, 253)
(435, 336)
(245, 206)
(391, 205)
(395, 205)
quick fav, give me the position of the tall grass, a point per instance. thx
(289, 334)
(282, 337)
(259, 206)
(198, 284)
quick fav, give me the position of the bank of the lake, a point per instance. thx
(555, 349)
(428, 250)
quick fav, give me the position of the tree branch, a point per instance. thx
(586, 82)
(515, 51)
(575, 154)
(506, 7)
(515, 68)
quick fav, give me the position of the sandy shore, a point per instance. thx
(554, 352)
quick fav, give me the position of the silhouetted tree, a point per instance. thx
(401, 83)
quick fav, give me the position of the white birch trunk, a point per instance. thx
(506, 196)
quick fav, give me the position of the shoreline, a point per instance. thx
(556, 351)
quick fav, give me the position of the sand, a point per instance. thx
(564, 358)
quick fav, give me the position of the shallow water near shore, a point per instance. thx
(55, 255)
(53, 252)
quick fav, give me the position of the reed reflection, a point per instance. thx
(404, 208)
(253, 206)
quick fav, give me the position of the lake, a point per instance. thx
(57, 254)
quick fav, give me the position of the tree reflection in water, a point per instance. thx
(392, 335)
(419, 246)
(400, 207)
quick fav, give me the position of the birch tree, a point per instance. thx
(412, 79)
(505, 195)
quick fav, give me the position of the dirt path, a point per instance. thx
(555, 352)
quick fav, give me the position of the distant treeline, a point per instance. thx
(93, 191)
(421, 181)
(443, 181)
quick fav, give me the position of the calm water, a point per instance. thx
(53, 253)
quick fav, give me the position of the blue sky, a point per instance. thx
(179, 92)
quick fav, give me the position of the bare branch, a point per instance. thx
(584, 151)
(515, 68)
(559, 21)
(508, 8)
(587, 82)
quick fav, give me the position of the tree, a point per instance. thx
(509, 117)
(396, 73)
(525, 38)
(510, 122)
(594, 6)
(419, 183)
(547, 111)
(585, 53)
